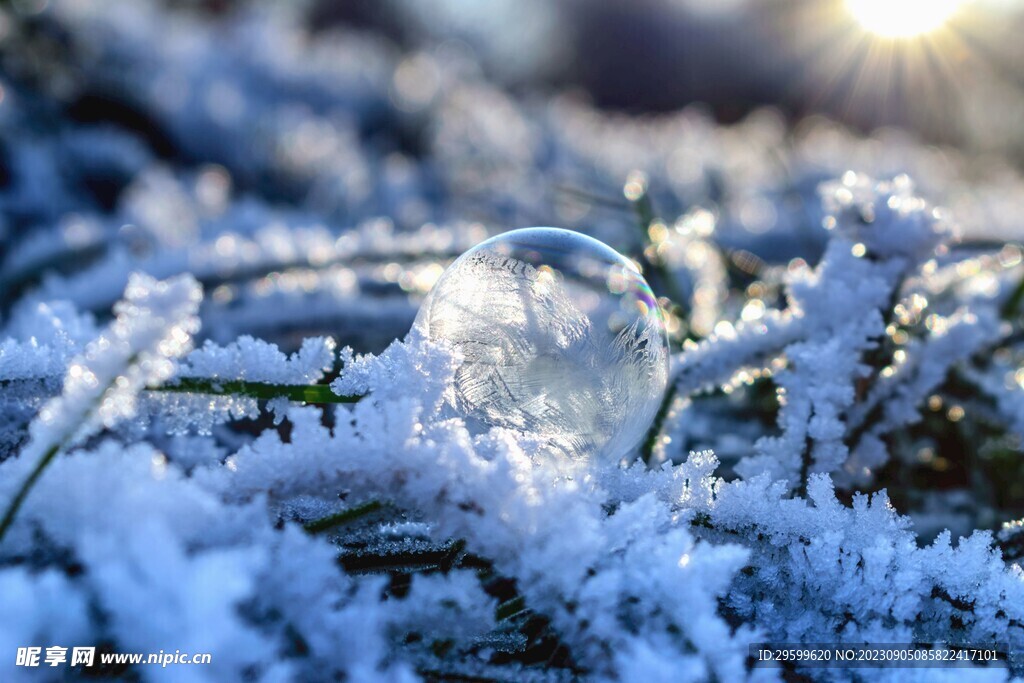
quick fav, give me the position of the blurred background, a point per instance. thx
(948, 69)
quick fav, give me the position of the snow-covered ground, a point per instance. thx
(220, 434)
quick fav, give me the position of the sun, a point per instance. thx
(902, 18)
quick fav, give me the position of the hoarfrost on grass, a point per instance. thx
(175, 519)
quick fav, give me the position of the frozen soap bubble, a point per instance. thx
(561, 337)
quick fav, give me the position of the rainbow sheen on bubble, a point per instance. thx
(562, 338)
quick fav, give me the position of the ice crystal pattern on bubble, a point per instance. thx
(560, 336)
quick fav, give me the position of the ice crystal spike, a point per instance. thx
(561, 337)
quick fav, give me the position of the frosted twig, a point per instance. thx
(154, 325)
